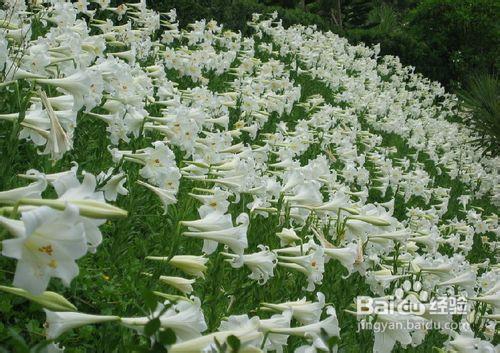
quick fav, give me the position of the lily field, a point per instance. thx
(167, 189)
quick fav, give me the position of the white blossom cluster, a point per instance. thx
(313, 176)
(392, 99)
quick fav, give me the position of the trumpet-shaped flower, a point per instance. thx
(312, 265)
(346, 256)
(247, 331)
(276, 342)
(288, 236)
(167, 197)
(303, 311)
(114, 184)
(85, 86)
(397, 329)
(185, 318)
(59, 322)
(32, 191)
(210, 222)
(46, 244)
(261, 263)
(466, 343)
(235, 237)
(314, 331)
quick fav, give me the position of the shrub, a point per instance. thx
(459, 37)
(385, 27)
(188, 11)
(291, 17)
(482, 99)
(444, 39)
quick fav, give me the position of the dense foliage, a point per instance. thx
(458, 38)
(481, 99)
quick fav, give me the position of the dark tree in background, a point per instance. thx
(458, 36)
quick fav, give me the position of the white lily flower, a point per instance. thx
(466, 280)
(465, 343)
(346, 256)
(47, 244)
(261, 263)
(491, 299)
(32, 191)
(248, 333)
(58, 141)
(305, 312)
(59, 322)
(312, 265)
(287, 237)
(89, 202)
(235, 237)
(314, 330)
(185, 318)
(276, 342)
(210, 222)
(114, 184)
(167, 197)
(85, 86)
(394, 332)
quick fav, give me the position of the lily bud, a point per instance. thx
(87, 208)
(49, 300)
(190, 264)
(182, 284)
(171, 297)
(371, 220)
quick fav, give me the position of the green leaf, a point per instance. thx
(152, 327)
(150, 299)
(234, 343)
(167, 337)
(40, 347)
(158, 348)
(18, 342)
(333, 341)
